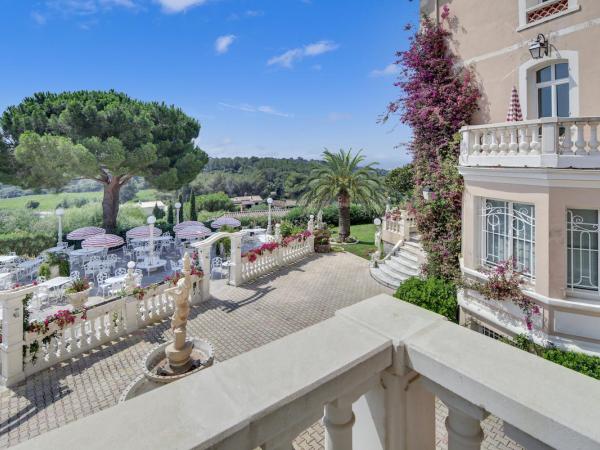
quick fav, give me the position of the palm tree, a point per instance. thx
(341, 179)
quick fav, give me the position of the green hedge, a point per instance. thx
(431, 293)
(358, 215)
(579, 362)
(24, 243)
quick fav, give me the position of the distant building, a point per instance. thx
(148, 207)
(246, 201)
(285, 203)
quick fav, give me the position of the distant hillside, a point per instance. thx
(286, 177)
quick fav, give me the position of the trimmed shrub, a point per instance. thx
(32, 204)
(434, 294)
(579, 362)
(24, 243)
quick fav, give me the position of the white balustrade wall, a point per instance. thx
(281, 256)
(23, 353)
(372, 374)
(548, 142)
(402, 226)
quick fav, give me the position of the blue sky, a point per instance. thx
(264, 77)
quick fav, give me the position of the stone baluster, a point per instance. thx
(580, 142)
(493, 143)
(476, 142)
(523, 141)
(338, 421)
(535, 140)
(503, 147)
(567, 144)
(485, 142)
(593, 138)
(464, 419)
(513, 146)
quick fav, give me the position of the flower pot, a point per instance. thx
(77, 299)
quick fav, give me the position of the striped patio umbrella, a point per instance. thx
(514, 109)
(103, 241)
(143, 232)
(193, 232)
(229, 221)
(187, 224)
(83, 233)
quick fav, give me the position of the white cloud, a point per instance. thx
(288, 58)
(265, 109)
(389, 70)
(254, 13)
(38, 18)
(223, 42)
(318, 48)
(175, 6)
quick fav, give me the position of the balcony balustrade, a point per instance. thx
(548, 142)
(372, 373)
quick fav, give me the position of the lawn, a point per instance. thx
(48, 202)
(366, 240)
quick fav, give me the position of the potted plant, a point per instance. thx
(322, 244)
(79, 292)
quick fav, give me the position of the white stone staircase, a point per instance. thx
(404, 263)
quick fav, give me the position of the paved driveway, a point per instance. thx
(235, 320)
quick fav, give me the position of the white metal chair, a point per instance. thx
(215, 266)
(120, 271)
(102, 284)
(42, 296)
(74, 276)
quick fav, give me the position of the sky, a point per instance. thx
(280, 78)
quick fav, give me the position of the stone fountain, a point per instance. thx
(179, 357)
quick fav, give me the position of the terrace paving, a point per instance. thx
(235, 320)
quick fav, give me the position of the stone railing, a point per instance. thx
(269, 261)
(275, 212)
(372, 372)
(548, 142)
(24, 352)
(398, 226)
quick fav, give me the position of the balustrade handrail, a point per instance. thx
(381, 347)
(540, 121)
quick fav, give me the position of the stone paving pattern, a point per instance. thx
(235, 320)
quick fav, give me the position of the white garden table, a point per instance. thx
(54, 283)
(7, 259)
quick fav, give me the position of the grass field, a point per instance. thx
(366, 240)
(48, 202)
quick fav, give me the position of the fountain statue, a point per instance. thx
(179, 357)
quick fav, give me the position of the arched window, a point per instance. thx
(552, 90)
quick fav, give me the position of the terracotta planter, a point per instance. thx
(78, 299)
(322, 248)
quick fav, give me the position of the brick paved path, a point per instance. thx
(235, 320)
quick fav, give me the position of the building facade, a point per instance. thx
(532, 187)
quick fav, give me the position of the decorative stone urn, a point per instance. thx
(78, 299)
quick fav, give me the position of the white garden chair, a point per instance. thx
(74, 276)
(102, 284)
(120, 272)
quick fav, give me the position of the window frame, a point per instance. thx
(578, 291)
(524, 10)
(553, 84)
(511, 238)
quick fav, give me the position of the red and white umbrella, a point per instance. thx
(187, 224)
(228, 221)
(193, 232)
(83, 233)
(103, 241)
(143, 232)
(514, 109)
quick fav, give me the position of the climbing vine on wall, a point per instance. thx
(438, 97)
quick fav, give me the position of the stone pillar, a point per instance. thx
(235, 277)
(338, 421)
(11, 349)
(464, 419)
(131, 318)
(311, 224)
(204, 258)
